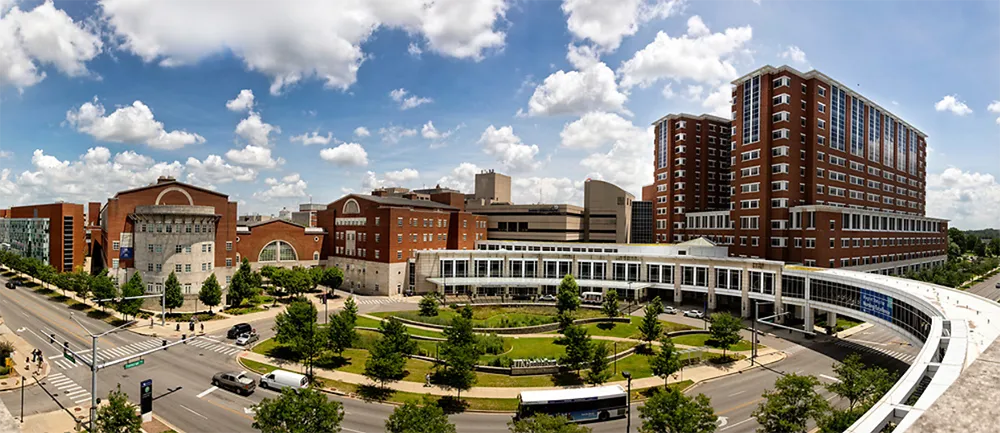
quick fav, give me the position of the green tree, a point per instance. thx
(429, 305)
(544, 423)
(610, 306)
(332, 278)
(341, 334)
(466, 312)
(667, 361)
(118, 416)
(210, 293)
(725, 330)
(790, 405)
(244, 285)
(77, 281)
(858, 384)
(954, 250)
(297, 281)
(839, 420)
(296, 327)
(395, 335)
(102, 287)
(567, 300)
(134, 287)
(598, 373)
(412, 417)
(650, 327)
(172, 291)
(579, 349)
(670, 411)
(350, 311)
(298, 411)
(460, 354)
(385, 364)
(994, 249)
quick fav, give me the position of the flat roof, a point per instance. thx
(571, 394)
(672, 116)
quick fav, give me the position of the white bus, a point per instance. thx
(592, 297)
(578, 404)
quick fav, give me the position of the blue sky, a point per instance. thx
(97, 97)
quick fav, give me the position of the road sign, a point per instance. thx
(135, 363)
(69, 357)
(146, 396)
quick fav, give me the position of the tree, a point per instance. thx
(859, 385)
(419, 418)
(790, 405)
(296, 327)
(610, 306)
(954, 250)
(133, 287)
(725, 330)
(395, 335)
(102, 287)
(172, 291)
(670, 411)
(598, 372)
(460, 354)
(296, 280)
(244, 285)
(544, 423)
(298, 411)
(333, 277)
(567, 300)
(77, 281)
(667, 361)
(210, 293)
(341, 334)
(650, 327)
(385, 364)
(578, 347)
(118, 416)
(350, 311)
(839, 420)
(466, 312)
(429, 305)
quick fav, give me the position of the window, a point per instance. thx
(781, 116)
(187, 267)
(229, 262)
(751, 155)
(277, 251)
(779, 134)
(779, 151)
(857, 127)
(838, 117)
(229, 245)
(821, 107)
(821, 124)
(782, 82)
(149, 267)
(751, 110)
(750, 171)
(821, 90)
(781, 99)
(750, 187)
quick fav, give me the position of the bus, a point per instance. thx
(592, 297)
(578, 404)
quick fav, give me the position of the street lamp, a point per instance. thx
(628, 402)
(93, 365)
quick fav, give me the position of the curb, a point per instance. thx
(755, 366)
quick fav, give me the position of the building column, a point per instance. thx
(779, 305)
(711, 288)
(677, 284)
(745, 293)
(808, 317)
(831, 321)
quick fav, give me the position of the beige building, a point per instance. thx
(533, 222)
(607, 213)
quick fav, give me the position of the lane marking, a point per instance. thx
(189, 410)
(351, 430)
(834, 379)
(736, 393)
(736, 424)
(207, 391)
(71, 394)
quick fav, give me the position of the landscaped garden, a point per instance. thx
(494, 316)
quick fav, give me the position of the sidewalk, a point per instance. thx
(22, 349)
(61, 422)
(695, 374)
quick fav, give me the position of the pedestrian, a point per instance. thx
(427, 379)
(202, 328)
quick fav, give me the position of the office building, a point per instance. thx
(642, 222)
(53, 233)
(306, 215)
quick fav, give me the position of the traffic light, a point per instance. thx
(164, 344)
(65, 347)
(52, 338)
(184, 338)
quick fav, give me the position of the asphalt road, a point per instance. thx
(987, 289)
(183, 394)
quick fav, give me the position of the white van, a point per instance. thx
(279, 379)
(592, 297)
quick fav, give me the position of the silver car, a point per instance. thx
(670, 310)
(247, 339)
(697, 314)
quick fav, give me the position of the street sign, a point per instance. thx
(146, 397)
(135, 363)
(69, 357)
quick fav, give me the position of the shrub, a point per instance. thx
(501, 361)
(4, 370)
(366, 340)
(6, 348)
(490, 344)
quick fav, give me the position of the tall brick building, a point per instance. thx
(53, 233)
(818, 175)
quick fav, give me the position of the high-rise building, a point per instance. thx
(642, 222)
(53, 233)
(818, 173)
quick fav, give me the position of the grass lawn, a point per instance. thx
(629, 330)
(699, 340)
(490, 316)
(243, 310)
(372, 323)
(642, 394)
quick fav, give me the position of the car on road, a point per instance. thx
(280, 379)
(697, 314)
(238, 330)
(669, 310)
(11, 285)
(236, 382)
(998, 285)
(247, 339)
(547, 298)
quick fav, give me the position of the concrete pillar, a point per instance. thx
(831, 320)
(711, 288)
(745, 293)
(677, 284)
(779, 305)
(809, 318)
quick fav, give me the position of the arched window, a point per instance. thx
(277, 251)
(351, 207)
(315, 255)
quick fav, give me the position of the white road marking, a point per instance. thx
(81, 400)
(834, 379)
(60, 381)
(207, 391)
(736, 393)
(189, 410)
(71, 394)
(736, 424)
(351, 430)
(249, 410)
(66, 386)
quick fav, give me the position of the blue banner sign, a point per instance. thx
(876, 304)
(125, 253)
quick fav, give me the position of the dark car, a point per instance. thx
(238, 330)
(11, 285)
(239, 383)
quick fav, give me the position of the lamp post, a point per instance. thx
(616, 356)
(628, 402)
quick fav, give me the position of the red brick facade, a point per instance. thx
(66, 253)
(305, 243)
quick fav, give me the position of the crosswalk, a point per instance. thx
(215, 346)
(858, 347)
(378, 300)
(106, 354)
(68, 388)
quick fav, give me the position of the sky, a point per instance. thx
(282, 103)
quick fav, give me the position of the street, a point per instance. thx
(987, 289)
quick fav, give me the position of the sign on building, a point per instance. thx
(876, 304)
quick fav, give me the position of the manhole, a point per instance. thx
(77, 409)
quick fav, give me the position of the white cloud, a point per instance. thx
(668, 91)
(408, 102)
(346, 154)
(255, 156)
(290, 186)
(320, 39)
(795, 54)
(414, 50)
(255, 131)
(719, 102)
(994, 107)
(598, 129)
(952, 104)
(508, 149)
(536, 189)
(8, 188)
(462, 178)
(582, 56)
(132, 124)
(969, 200)
(577, 92)
(704, 59)
(393, 133)
(214, 170)
(697, 27)
(627, 164)
(398, 178)
(606, 23)
(311, 138)
(43, 36)
(694, 92)
(242, 102)
(94, 176)
(361, 131)
(6, 154)
(438, 138)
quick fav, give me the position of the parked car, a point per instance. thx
(279, 379)
(11, 285)
(998, 285)
(233, 381)
(669, 310)
(547, 298)
(520, 297)
(238, 330)
(408, 293)
(697, 314)
(247, 339)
